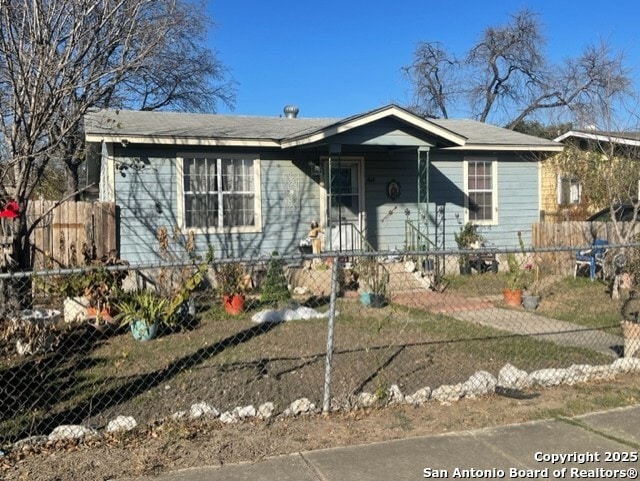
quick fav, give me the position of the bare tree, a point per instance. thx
(60, 58)
(507, 76)
(434, 75)
(506, 60)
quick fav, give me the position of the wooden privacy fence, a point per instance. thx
(574, 234)
(72, 234)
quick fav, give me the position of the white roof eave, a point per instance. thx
(181, 141)
(505, 148)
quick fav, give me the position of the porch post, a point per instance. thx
(334, 150)
(423, 192)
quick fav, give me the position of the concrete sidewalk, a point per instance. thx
(597, 445)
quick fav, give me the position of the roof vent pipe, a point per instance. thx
(291, 111)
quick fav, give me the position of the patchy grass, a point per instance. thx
(229, 361)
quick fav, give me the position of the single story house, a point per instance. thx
(384, 180)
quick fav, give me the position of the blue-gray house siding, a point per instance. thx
(142, 177)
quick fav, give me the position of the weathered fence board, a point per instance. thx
(572, 234)
(575, 233)
(72, 233)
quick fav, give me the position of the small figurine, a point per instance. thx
(314, 235)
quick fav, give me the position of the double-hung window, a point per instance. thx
(480, 191)
(221, 192)
(569, 190)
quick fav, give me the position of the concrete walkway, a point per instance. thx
(601, 445)
(513, 320)
(527, 323)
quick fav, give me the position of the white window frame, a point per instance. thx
(181, 217)
(573, 182)
(494, 189)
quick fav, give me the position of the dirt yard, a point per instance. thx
(161, 447)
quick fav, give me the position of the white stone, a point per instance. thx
(203, 409)
(419, 397)
(301, 406)
(30, 442)
(549, 377)
(513, 378)
(627, 364)
(579, 373)
(75, 309)
(447, 393)
(266, 410)
(366, 400)
(71, 431)
(121, 423)
(228, 418)
(242, 412)
(598, 373)
(395, 396)
(179, 415)
(480, 384)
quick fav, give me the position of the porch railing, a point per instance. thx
(350, 238)
(429, 262)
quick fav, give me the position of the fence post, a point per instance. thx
(326, 403)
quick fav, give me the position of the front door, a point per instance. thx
(343, 204)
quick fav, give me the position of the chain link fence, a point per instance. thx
(307, 333)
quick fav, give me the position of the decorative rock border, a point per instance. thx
(481, 383)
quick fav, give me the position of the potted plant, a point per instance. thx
(512, 293)
(143, 311)
(468, 237)
(372, 280)
(90, 295)
(231, 283)
(531, 297)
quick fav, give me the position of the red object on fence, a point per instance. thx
(10, 210)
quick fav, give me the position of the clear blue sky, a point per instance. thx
(339, 58)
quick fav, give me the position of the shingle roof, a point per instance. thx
(174, 124)
(479, 133)
(278, 129)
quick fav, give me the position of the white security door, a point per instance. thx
(343, 194)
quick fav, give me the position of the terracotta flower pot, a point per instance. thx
(233, 304)
(512, 297)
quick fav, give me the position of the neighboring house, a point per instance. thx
(562, 194)
(252, 185)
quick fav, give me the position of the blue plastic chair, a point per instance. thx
(591, 257)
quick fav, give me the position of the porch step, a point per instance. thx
(403, 280)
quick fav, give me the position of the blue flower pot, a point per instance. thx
(143, 331)
(365, 298)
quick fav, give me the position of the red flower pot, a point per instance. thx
(233, 304)
(512, 297)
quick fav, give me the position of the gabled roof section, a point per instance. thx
(622, 138)
(389, 111)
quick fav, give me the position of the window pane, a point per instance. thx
(211, 173)
(480, 206)
(200, 211)
(480, 190)
(238, 210)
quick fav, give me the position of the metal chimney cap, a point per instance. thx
(291, 111)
